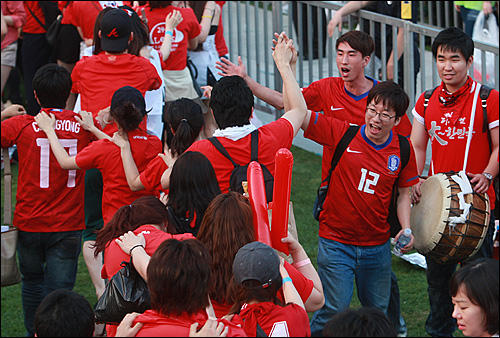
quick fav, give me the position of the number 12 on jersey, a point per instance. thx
(364, 183)
(44, 145)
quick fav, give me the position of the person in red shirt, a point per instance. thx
(232, 104)
(258, 275)
(49, 209)
(14, 17)
(343, 97)
(96, 78)
(146, 215)
(185, 120)
(354, 217)
(178, 279)
(446, 123)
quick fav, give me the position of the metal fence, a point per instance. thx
(249, 28)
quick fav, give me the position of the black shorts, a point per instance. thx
(67, 47)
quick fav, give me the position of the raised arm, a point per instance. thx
(350, 7)
(47, 123)
(283, 54)
(129, 166)
(137, 243)
(303, 264)
(87, 123)
(210, 16)
(171, 21)
(289, 291)
(267, 95)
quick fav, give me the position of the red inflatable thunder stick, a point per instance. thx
(281, 199)
(258, 201)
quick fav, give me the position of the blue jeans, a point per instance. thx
(48, 261)
(439, 322)
(394, 309)
(469, 19)
(339, 265)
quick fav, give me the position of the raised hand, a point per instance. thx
(45, 122)
(172, 20)
(228, 68)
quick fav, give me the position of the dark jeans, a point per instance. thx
(439, 322)
(469, 19)
(48, 261)
(394, 309)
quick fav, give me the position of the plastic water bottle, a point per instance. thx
(403, 240)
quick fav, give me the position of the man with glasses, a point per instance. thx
(353, 229)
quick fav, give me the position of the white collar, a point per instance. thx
(235, 133)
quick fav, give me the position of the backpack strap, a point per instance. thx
(341, 147)
(222, 150)
(427, 96)
(255, 146)
(404, 150)
(36, 18)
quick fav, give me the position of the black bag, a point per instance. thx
(53, 31)
(395, 226)
(125, 292)
(322, 190)
(239, 173)
(50, 11)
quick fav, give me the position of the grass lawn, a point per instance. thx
(305, 180)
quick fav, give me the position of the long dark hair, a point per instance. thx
(144, 210)
(140, 30)
(193, 185)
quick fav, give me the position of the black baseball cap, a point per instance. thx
(116, 26)
(256, 261)
(128, 94)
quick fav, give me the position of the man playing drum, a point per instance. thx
(446, 122)
(353, 227)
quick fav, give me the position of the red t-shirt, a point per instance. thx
(330, 96)
(105, 156)
(83, 15)
(49, 198)
(188, 29)
(272, 137)
(220, 42)
(114, 255)
(96, 78)
(151, 177)
(357, 203)
(32, 26)
(276, 320)
(67, 18)
(157, 325)
(448, 131)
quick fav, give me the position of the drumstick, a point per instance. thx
(281, 199)
(258, 201)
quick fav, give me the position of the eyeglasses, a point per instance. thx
(383, 117)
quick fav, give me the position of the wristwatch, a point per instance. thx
(488, 176)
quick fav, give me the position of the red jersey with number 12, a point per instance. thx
(49, 198)
(357, 203)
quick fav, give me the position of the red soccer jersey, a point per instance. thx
(105, 156)
(188, 29)
(96, 78)
(157, 325)
(276, 321)
(330, 96)
(448, 130)
(272, 137)
(357, 204)
(151, 177)
(49, 198)
(114, 255)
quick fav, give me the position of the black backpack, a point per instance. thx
(239, 173)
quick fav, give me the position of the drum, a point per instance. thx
(434, 220)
